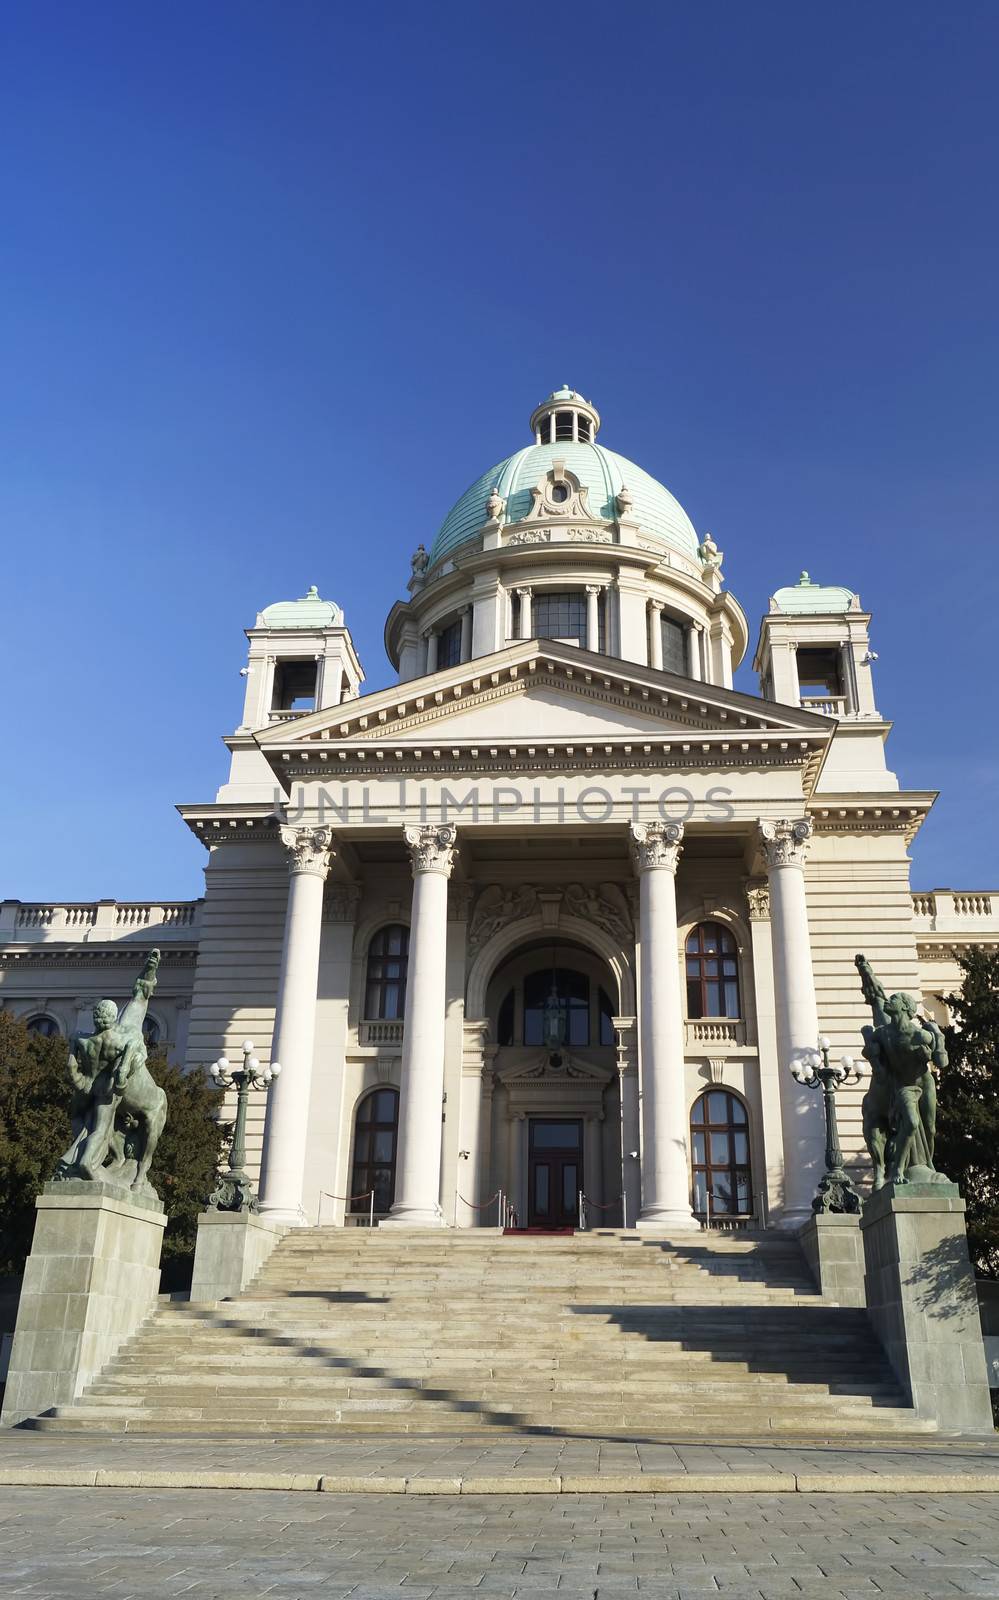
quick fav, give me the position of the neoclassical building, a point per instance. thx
(553, 915)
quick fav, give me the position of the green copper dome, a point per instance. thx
(603, 473)
(308, 613)
(805, 596)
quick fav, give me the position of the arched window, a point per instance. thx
(712, 972)
(719, 1149)
(573, 992)
(385, 988)
(151, 1031)
(376, 1135)
(47, 1026)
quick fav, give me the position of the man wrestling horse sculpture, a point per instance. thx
(118, 1109)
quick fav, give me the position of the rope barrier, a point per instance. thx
(348, 1199)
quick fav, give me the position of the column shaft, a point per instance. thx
(784, 845)
(592, 616)
(287, 1125)
(525, 613)
(418, 1168)
(656, 637)
(466, 634)
(665, 1173)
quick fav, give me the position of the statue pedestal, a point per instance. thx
(832, 1246)
(231, 1249)
(92, 1277)
(922, 1301)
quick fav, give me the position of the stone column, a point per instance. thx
(593, 616)
(665, 1173)
(418, 1170)
(286, 1129)
(656, 635)
(469, 1196)
(694, 636)
(768, 1160)
(785, 844)
(593, 1167)
(526, 623)
(517, 1167)
(631, 1138)
(431, 638)
(466, 633)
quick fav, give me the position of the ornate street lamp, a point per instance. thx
(814, 1069)
(234, 1190)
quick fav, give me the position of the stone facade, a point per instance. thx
(531, 812)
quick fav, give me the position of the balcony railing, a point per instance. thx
(381, 1032)
(827, 705)
(715, 1031)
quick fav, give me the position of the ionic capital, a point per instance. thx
(432, 849)
(656, 844)
(309, 849)
(785, 843)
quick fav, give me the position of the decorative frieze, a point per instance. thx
(497, 906)
(604, 906)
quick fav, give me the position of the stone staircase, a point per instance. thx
(708, 1336)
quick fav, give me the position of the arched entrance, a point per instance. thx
(556, 1109)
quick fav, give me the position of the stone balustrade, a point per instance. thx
(715, 1031)
(969, 912)
(827, 705)
(98, 921)
(380, 1032)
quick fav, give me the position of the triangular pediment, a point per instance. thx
(553, 1068)
(541, 690)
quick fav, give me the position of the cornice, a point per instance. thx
(895, 813)
(214, 824)
(93, 958)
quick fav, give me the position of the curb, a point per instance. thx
(515, 1484)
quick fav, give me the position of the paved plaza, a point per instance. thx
(76, 1543)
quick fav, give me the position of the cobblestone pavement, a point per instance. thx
(74, 1544)
(518, 1457)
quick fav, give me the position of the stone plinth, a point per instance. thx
(92, 1277)
(833, 1247)
(231, 1249)
(922, 1301)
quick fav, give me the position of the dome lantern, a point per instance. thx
(565, 418)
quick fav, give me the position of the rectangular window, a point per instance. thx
(449, 645)
(674, 646)
(563, 425)
(560, 615)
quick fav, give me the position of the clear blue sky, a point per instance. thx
(280, 280)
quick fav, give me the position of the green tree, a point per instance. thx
(967, 1148)
(35, 1129)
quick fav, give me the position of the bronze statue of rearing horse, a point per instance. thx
(118, 1109)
